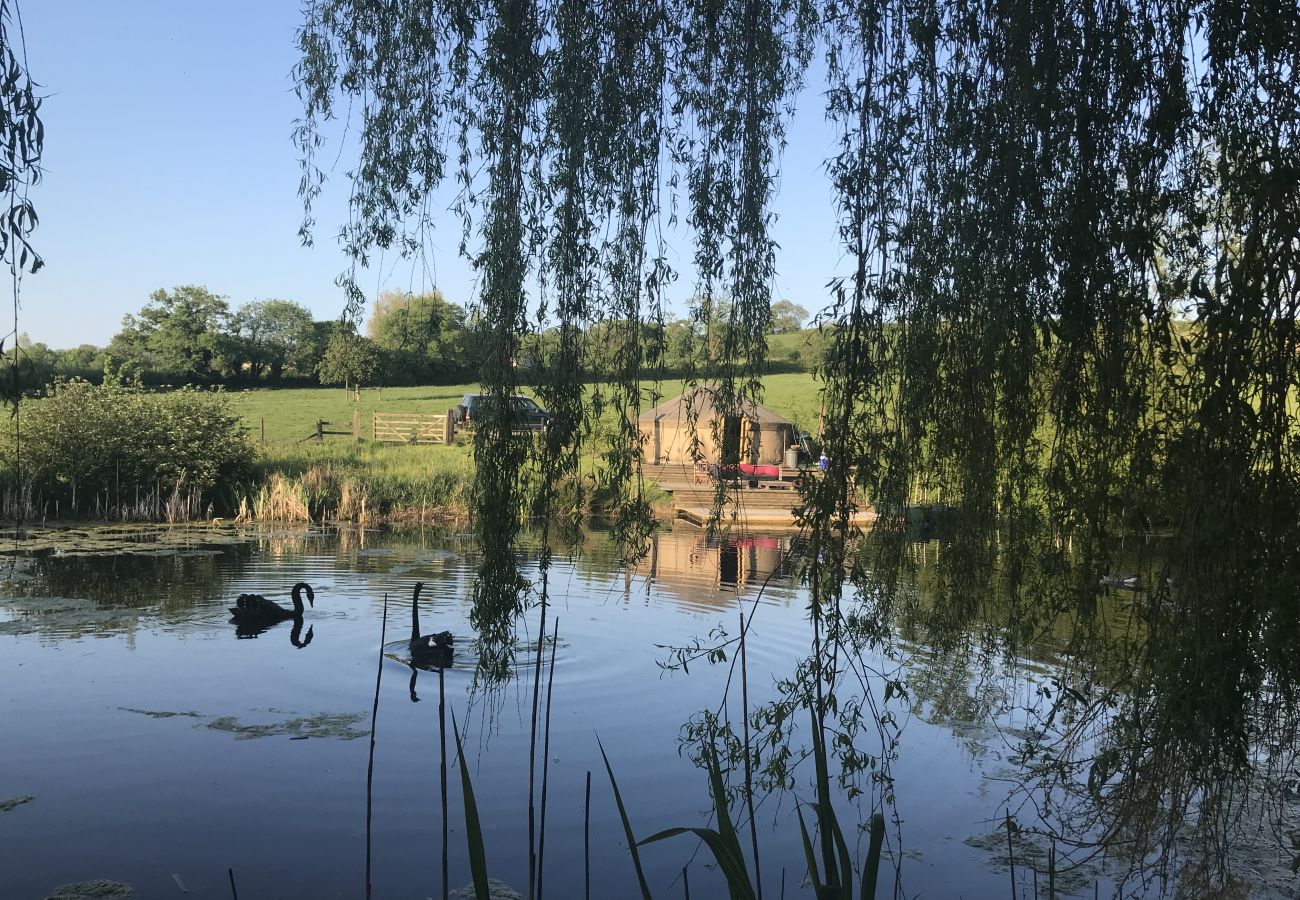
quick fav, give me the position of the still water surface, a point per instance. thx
(160, 749)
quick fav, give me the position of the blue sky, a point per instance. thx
(168, 161)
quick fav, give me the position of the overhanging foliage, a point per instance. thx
(1072, 311)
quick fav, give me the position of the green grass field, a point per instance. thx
(398, 477)
(290, 414)
(394, 476)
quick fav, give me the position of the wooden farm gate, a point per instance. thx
(413, 428)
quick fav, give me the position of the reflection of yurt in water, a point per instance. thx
(703, 572)
(757, 436)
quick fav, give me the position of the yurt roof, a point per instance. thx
(675, 411)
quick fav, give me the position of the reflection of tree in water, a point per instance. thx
(127, 580)
(123, 590)
(964, 692)
(1139, 727)
(1167, 723)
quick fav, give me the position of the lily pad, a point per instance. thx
(67, 616)
(496, 891)
(95, 889)
(15, 802)
(162, 713)
(341, 726)
(321, 725)
(124, 540)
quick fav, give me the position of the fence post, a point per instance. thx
(356, 424)
(449, 428)
(320, 430)
(263, 429)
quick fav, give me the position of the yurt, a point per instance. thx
(758, 435)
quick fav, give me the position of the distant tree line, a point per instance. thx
(190, 335)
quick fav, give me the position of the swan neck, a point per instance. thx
(415, 611)
(296, 593)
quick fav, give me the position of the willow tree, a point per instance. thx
(1071, 311)
(22, 139)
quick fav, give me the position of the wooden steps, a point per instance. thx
(769, 506)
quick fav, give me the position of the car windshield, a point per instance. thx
(522, 404)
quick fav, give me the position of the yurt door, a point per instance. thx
(732, 431)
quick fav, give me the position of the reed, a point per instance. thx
(586, 841)
(334, 491)
(280, 500)
(473, 828)
(532, 744)
(832, 879)
(23, 502)
(442, 773)
(546, 757)
(1011, 856)
(627, 825)
(370, 765)
(749, 775)
(723, 842)
(354, 502)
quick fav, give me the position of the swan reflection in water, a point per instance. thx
(245, 630)
(430, 652)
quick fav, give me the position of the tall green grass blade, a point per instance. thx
(872, 869)
(836, 881)
(741, 886)
(627, 826)
(819, 890)
(473, 828)
(844, 889)
(724, 842)
(729, 861)
(823, 808)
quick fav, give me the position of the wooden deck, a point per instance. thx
(768, 505)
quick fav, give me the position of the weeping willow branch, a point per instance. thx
(1067, 311)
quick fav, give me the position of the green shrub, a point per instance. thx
(119, 441)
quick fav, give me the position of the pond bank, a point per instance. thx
(332, 492)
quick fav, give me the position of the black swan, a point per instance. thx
(428, 649)
(256, 608)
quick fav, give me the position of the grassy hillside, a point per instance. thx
(808, 343)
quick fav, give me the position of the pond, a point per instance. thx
(148, 742)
